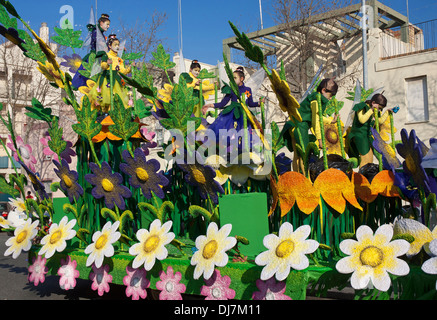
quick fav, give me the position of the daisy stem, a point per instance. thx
(378, 155)
(93, 152)
(322, 130)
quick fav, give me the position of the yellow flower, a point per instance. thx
(56, 239)
(371, 257)
(212, 250)
(422, 235)
(19, 204)
(102, 244)
(22, 240)
(53, 75)
(332, 138)
(47, 51)
(287, 102)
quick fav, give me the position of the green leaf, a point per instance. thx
(123, 127)
(57, 144)
(87, 126)
(232, 84)
(132, 56)
(252, 52)
(68, 38)
(6, 188)
(7, 21)
(162, 59)
(88, 65)
(141, 111)
(34, 51)
(205, 74)
(39, 112)
(141, 87)
(278, 141)
(10, 8)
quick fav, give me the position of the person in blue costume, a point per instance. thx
(103, 24)
(232, 115)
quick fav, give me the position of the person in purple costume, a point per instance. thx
(232, 116)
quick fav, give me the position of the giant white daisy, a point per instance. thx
(22, 239)
(151, 244)
(102, 244)
(286, 251)
(372, 257)
(212, 250)
(55, 240)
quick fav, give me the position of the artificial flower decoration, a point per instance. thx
(151, 244)
(372, 256)
(38, 270)
(335, 188)
(283, 163)
(270, 290)
(18, 204)
(38, 186)
(363, 189)
(102, 244)
(412, 154)
(389, 159)
(170, 286)
(25, 151)
(211, 250)
(73, 63)
(51, 74)
(101, 279)
(218, 163)
(430, 159)
(421, 233)
(4, 223)
(293, 187)
(22, 239)
(51, 57)
(55, 240)
(384, 184)
(68, 181)
(144, 173)
(68, 273)
(430, 265)
(12, 35)
(385, 130)
(286, 250)
(108, 185)
(286, 101)
(67, 154)
(202, 177)
(244, 166)
(217, 287)
(104, 132)
(332, 137)
(136, 283)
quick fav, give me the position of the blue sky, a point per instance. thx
(205, 23)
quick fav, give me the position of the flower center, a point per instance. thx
(55, 237)
(107, 185)
(210, 249)
(285, 248)
(409, 161)
(135, 282)
(21, 236)
(332, 136)
(151, 244)
(270, 295)
(198, 176)
(101, 241)
(371, 256)
(216, 293)
(169, 286)
(24, 152)
(67, 181)
(142, 174)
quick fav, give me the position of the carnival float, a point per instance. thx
(245, 223)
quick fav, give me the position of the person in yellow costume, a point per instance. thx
(100, 93)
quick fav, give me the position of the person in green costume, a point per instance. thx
(360, 136)
(309, 112)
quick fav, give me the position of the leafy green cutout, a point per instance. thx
(123, 127)
(252, 52)
(87, 126)
(39, 112)
(162, 59)
(68, 38)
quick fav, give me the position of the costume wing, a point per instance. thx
(100, 41)
(380, 90)
(256, 80)
(92, 21)
(318, 75)
(222, 73)
(121, 48)
(357, 99)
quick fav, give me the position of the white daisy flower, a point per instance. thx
(22, 240)
(55, 240)
(151, 244)
(430, 265)
(285, 251)
(372, 257)
(102, 244)
(212, 250)
(19, 204)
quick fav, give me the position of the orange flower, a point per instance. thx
(335, 188)
(105, 133)
(363, 188)
(247, 93)
(384, 184)
(294, 187)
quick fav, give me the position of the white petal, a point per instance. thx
(430, 266)
(401, 268)
(382, 283)
(360, 282)
(347, 246)
(345, 265)
(385, 231)
(363, 232)
(302, 232)
(285, 230)
(312, 245)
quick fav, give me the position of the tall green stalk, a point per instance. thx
(322, 131)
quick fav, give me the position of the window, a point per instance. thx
(417, 99)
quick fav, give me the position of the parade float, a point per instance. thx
(236, 224)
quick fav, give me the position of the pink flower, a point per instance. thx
(136, 283)
(270, 290)
(38, 270)
(148, 135)
(169, 285)
(101, 279)
(66, 154)
(217, 287)
(68, 273)
(25, 151)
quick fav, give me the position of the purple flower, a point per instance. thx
(283, 163)
(74, 62)
(108, 185)
(68, 180)
(270, 290)
(412, 154)
(144, 174)
(38, 186)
